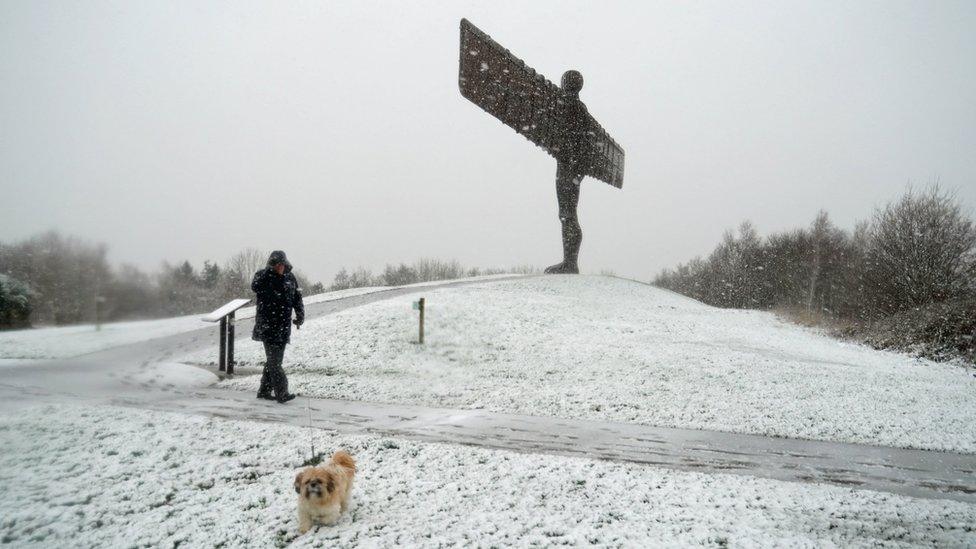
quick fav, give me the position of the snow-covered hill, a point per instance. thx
(90, 474)
(79, 339)
(606, 348)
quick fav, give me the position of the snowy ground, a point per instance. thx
(605, 348)
(68, 341)
(103, 476)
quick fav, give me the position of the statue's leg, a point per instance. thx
(567, 193)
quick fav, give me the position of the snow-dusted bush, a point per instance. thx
(921, 251)
(904, 280)
(939, 330)
(811, 268)
(66, 274)
(15, 303)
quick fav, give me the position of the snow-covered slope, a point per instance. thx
(68, 341)
(100, 476)
(598, 347)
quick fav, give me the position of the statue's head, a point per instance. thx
(572, 82)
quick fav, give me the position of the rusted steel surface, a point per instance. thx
(505, 87)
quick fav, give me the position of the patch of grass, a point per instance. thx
(811, 318)
(169, 453)
(283, 538)
(166, 501)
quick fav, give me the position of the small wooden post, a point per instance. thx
(99, 305)
(230, 343)
(222, 360)
(422, 301)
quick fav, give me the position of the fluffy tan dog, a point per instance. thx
(323, 492)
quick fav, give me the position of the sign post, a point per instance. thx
(222, 358)
(419, 305)
(225, 315)
(230, 343)
(99, 312)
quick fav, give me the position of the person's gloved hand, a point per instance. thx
(298, 322)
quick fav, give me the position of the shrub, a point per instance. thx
(906, 280)
(939, 330)
(15, 303)
(920, 251)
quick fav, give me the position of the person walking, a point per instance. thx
(277, 295)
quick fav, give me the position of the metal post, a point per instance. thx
(422, 300)
(99, 302)
(230, 343)
(222, 361)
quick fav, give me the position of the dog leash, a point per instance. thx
(311, 439)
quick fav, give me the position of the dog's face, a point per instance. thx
(316, 485)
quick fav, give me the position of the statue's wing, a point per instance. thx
(606, 158)
(505, 87)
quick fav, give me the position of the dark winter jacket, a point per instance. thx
(277, 295)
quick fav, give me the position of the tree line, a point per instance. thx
(55, 279)
(423, 270)
(904, 278)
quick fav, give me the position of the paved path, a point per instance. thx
(910, 472)
(108, 376)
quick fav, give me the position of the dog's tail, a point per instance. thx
(343, 459)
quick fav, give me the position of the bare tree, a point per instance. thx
(248, 260)
(920, 250)
(238, 271)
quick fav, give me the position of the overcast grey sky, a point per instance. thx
(335, 130)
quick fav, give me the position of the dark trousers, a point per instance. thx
(273, 378)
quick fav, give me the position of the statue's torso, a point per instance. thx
(573, 139)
